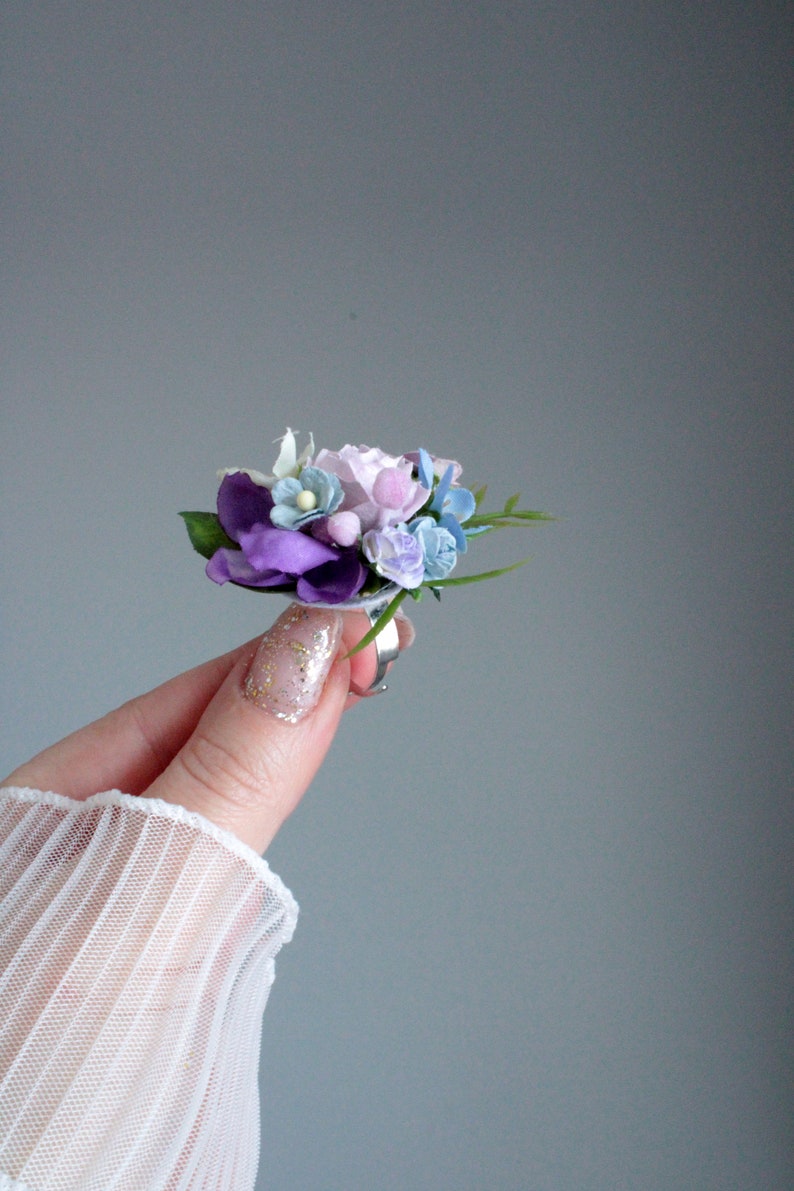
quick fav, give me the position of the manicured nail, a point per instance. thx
(291, 665)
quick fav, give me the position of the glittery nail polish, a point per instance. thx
(289, 669)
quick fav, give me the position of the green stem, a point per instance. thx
(389, 612)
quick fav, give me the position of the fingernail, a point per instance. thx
(288, 673)
(405, 629)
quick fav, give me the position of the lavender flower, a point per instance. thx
(395, 554)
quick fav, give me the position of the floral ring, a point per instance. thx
(355, 528)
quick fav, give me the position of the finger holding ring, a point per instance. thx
(387, 650)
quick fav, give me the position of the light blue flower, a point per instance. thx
(298, 501)
(439, 547)
(425, 469)
(458, 502)
(451, 504)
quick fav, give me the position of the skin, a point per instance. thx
(196, 741)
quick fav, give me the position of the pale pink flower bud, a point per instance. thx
(343, 528)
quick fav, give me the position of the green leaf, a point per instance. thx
(479, 495)
(530, 515)
(206, 533)
(388, 614)
(476, 578)
(511, 502)
(512, 520)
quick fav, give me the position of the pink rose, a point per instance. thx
(380, 489)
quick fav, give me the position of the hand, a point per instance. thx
(238, 739)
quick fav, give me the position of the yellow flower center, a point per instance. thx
(306, 501)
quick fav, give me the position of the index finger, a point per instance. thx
(129, 748)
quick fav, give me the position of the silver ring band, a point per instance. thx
(387, 650)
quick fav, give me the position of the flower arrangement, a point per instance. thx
(354, 527)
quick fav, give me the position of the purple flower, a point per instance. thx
(272, 557)
(379, 488)
(395, 554)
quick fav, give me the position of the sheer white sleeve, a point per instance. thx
(136, 955)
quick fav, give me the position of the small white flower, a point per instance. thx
(288, 464)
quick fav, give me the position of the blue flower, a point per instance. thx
(458, 502)
(424, 467)
(439, 547)
(451, 504)
(298, 501)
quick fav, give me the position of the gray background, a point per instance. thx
(546, 880)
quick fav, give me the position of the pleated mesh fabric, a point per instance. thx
(136, 955)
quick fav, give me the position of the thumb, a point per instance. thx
(264, 734)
